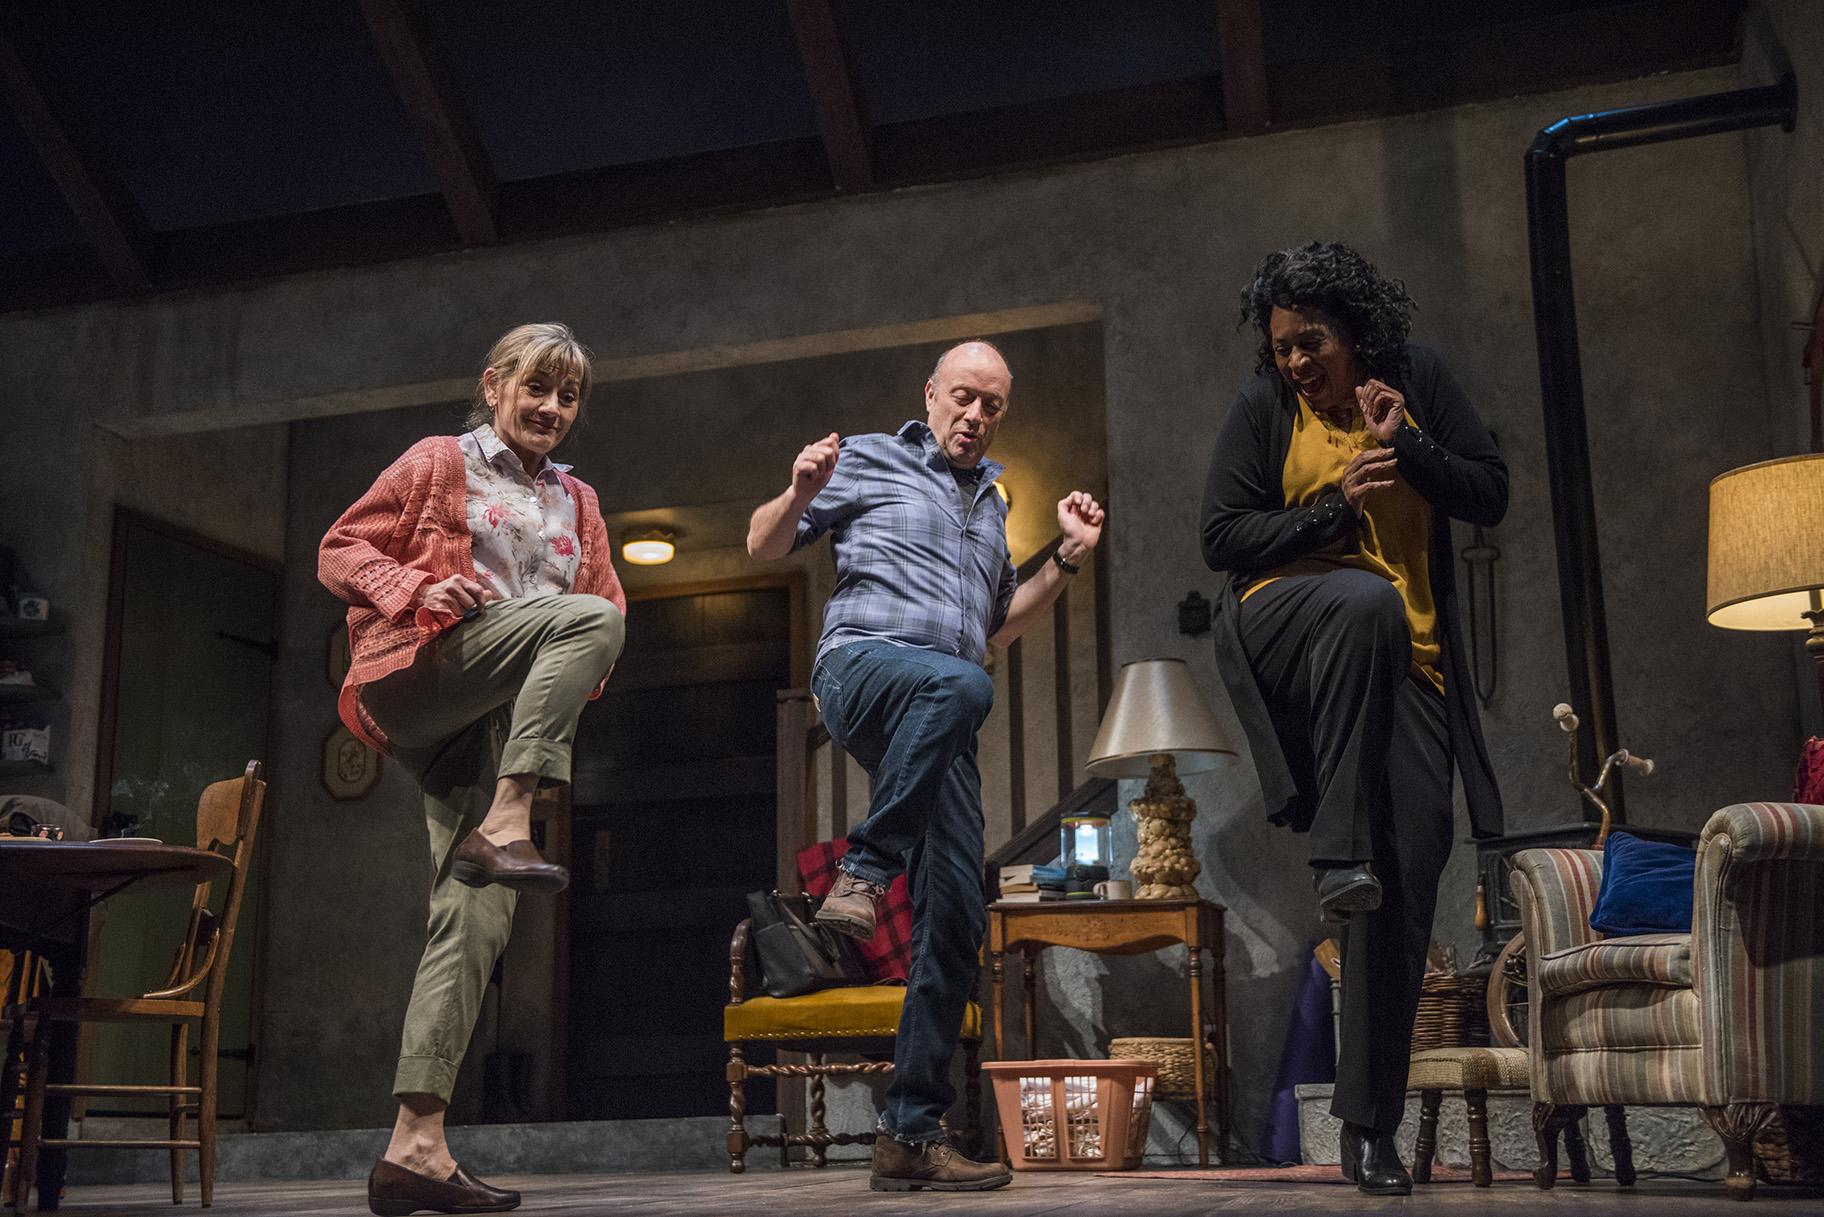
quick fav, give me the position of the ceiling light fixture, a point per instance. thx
(653, 547)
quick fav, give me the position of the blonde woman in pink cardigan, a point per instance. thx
(484, 612)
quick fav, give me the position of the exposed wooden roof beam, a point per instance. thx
(1244, 66)
(831, 78)
(425, 84)
(102, 207)
(1517, 57)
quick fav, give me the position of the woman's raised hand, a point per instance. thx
(811, 471)
(1366, 472)
(455, 595)
(1383, 408)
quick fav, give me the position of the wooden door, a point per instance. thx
(673, 825)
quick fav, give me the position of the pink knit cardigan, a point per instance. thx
(412, 528)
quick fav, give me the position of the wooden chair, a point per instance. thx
(860, 1020)
(227, 818)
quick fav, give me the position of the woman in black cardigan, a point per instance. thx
(1328, 503)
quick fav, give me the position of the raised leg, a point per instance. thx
(1619, 1144)
(1574, 1148)
(1737, 1124)
(1480, 1173)
(1426, 1147)
(819, 1134)
(737, 1110)
(180, 1074)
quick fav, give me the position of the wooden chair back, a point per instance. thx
(227, 820)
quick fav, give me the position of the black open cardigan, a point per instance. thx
(1447, 455)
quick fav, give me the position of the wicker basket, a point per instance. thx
(1177, 1068)
(1453, 1012)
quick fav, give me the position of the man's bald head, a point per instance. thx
(966, 398)
(972, 347)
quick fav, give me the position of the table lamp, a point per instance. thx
(1156, 726)
(1767, 549)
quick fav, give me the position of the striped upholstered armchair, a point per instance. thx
(1724, 1018)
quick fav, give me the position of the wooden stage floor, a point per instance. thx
(843, 1190)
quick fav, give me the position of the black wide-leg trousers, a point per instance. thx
(1333, 659)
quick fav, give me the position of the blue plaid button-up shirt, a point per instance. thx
(911, 567)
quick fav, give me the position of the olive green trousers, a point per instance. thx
(495, 697)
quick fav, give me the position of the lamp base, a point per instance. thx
(1165, 865)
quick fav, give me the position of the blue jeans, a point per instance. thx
(910, 716)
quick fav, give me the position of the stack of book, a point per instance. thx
(1032, 883)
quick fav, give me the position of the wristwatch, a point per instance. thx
(1069, 568)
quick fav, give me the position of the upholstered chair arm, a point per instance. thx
(1556, 890)
(1757, 953)
(1764, 832)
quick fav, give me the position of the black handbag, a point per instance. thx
(794, 954)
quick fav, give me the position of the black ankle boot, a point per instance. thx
(1372, 1163)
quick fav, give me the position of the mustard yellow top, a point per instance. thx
(1394, 539)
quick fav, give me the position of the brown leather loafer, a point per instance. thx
(393, 1191)
(516, 864)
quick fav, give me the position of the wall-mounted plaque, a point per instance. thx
(350, 767)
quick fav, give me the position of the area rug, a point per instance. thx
(1298, 1174)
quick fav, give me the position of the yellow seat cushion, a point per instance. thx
(1468, 1069)
(859, 1012)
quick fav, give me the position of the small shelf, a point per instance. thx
(17, 768)
(25, 695)
(19, 627)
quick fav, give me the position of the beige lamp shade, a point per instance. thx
(1156, 708)
(1767, 544)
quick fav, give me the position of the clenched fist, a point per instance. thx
(455, 595)
(812, 470)
(1382, 407)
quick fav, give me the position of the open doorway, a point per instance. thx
(673, 825)
(186, 689)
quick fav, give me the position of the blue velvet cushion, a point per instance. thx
(1646, 887)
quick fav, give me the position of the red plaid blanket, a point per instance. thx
(888, 955)
(1808, 785)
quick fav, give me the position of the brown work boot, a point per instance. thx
(931, 1166)
(849, 908)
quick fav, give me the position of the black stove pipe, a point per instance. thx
(1567, 445)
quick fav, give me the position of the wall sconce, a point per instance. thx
(1194, 614)
(653, 547)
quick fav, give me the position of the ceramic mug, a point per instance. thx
(1115, 889)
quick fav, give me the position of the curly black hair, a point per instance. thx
(1339, 285)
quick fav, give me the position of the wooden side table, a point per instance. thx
(1126, 927)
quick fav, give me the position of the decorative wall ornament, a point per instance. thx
(350, 767)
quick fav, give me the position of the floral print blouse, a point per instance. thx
(523, 526)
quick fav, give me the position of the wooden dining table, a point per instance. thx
(46, 891)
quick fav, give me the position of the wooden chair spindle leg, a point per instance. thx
(1426, 1147)
(1480, 1172)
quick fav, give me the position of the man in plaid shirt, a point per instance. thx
(924, 583)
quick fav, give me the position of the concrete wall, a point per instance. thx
(1157, 245)
(1786, 196)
